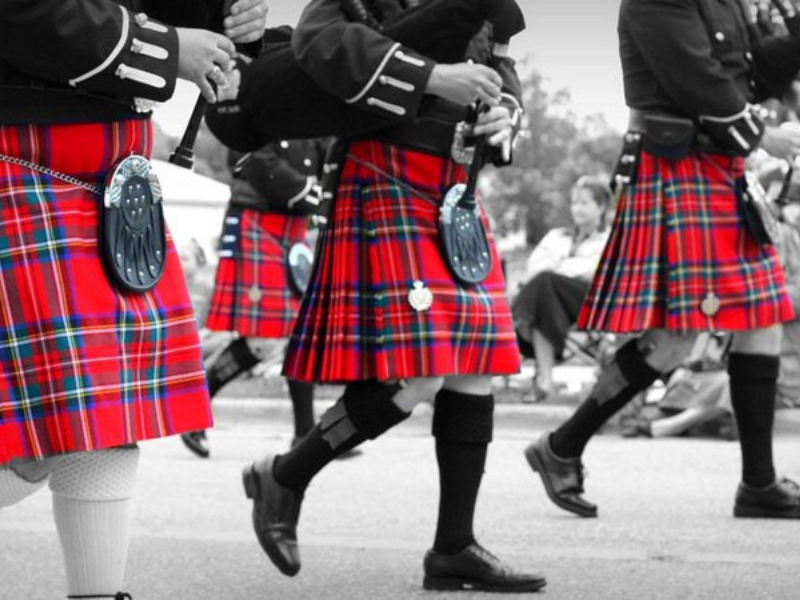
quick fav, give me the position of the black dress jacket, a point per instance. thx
(67, 61)
(279, 176)
(377, 55)
(353, 67)
(706, 60)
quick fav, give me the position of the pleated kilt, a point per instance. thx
(252, 295)
(357, 321)
(84, 366)
(679, 257)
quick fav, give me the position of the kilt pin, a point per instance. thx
(252, 295)
(83, 365)
(679, 256)
(357, 321)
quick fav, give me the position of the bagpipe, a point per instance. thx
(278, 100)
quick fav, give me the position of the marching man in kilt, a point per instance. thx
(264, 265)
(98, 350)
(383, 313)
(690, 250)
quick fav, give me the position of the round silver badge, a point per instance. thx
(420, 297)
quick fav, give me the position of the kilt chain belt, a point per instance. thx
(21, 162)
(132, 233)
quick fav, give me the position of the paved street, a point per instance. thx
(665, 529)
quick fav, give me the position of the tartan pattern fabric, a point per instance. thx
(252, 295)
(84, 366)
(677, 237)
(356, 321)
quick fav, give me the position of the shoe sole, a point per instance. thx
(197, 451)
(747, 512)
(452, 584)
(533, 460)
(251, 490)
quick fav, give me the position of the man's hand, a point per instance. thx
(497, 125)
(465, 83)
(229, 89)
(781, 142)
(204, 57)
(247, 21)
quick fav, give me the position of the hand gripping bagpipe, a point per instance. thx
(278, 100)
(183, 155)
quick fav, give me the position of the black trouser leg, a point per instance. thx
(617, 385)
(302, 396)
(753, 379)
(232, 362)
(364, 412)
(462, 426)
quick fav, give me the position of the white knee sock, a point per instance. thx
(92, 504)
(14, 488)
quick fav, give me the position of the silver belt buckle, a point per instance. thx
(458, 150)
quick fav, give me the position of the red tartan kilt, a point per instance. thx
(356, 321)
(678, 239)
(252, 295)
(84, 366)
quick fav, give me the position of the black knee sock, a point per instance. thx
(753, 380)
(460, 473)
(617, 385)
(232, 362)
(302, 395)
(462, 425)
(364, 412)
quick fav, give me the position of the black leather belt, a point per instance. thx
(701, 142)
(29, 105)
(431, 136)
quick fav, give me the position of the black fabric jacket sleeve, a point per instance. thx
(100, 45)
(359, 64)
(674, 41)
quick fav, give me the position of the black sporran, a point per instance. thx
(464, 239)
(668, 137)
(466, 245)
(132, 232)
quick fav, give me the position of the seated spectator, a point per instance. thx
(557, 278)
(697, 400)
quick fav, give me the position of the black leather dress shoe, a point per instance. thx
(562, 477)
(197, 442)
(276, 511)
(475, 568)
(781, 500)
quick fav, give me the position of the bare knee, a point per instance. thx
(416, 390)
(758, 341)
(478, 385)
(665, 350)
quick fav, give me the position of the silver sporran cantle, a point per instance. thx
(299, 264)
(132, 231)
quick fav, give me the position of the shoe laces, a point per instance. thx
(490, 558)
